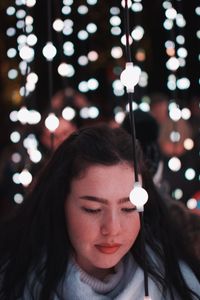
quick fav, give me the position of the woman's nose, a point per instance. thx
(111, 224)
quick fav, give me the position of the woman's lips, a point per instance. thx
(108, 249)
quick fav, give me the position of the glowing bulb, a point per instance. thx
(25, 177)
(175, 114)
(15, 137)
(26, 53)
(137, 33)
(93, 112)
(35, 155)
(129, 3)
(172, 64)
(52, 122)
(49, 51)
(18, 198)
(183, 83)
(23, 115)
(171, 13)
(130, 77)
(174, 164)
(138, 196)
(58, 25)
(188, 144)
(192, 203)
(185, 113)
(190, 174)
(30, 3)
(119, 117)
(68, 113)
(66, 70)
(34, 117)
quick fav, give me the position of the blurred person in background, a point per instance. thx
(159, 103)
(47, 143)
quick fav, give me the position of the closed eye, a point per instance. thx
(128, 210)
(91, 211)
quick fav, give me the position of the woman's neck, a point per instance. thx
(95, 272)
(101, 273)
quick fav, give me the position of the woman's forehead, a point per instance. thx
(105, 181)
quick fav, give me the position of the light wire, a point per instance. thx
(133, 134)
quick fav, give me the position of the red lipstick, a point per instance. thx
(108, 248)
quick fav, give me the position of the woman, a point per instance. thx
(78, 235)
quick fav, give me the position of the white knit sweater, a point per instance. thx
(126, 284)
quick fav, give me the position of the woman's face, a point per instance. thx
(101, 221)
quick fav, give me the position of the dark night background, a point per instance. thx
(151, 19)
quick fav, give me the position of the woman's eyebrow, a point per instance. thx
(94, 198)
(102, 200)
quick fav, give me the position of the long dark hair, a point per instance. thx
(35, 246)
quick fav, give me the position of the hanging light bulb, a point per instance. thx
(26, 53)
(52, 122)
(129, 3)
(23, 115)
(25, 177)
(49, 51)
(130, 77)
(174, 164)
(138, 196)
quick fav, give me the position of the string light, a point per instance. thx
(25, 177)
(18, 198)
(52, 122)
(138, 196)
(176, 64)
(49, 51)
(130, 77)
(68, 113)
(26, 41)
(174, 164)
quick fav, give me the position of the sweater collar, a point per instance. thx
(102, 286)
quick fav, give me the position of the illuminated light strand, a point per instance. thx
(65, 70)
(26, 51)
(126, 78)
(65, 50)
(116, 51)
(173, 66)
(138, 34)
(175, 49)
(178, 57)
(90, 55)
(49, 52)
(27, 116)
(25, 41)
(138, 196)
(197, 13)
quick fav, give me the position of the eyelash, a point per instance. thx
(91, 211)
(129, 210)
(95, 211)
